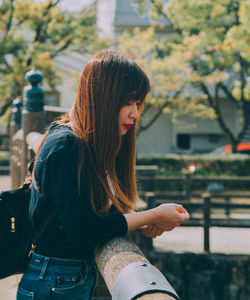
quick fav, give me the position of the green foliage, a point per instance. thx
(34, 32)
(206, 165)
(168, 75)
(4, 158)
(213, 46)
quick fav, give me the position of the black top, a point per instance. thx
(75, 229)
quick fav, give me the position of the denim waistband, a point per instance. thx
(56, 261)
(44, 264)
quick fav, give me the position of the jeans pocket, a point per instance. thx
(23, 294)
(81, 290)
(63, 283)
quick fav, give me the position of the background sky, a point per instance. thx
(74, 5)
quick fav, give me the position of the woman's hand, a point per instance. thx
(155, 221)
(168, 216)
(150, 231)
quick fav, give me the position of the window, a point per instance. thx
(183, 141)
(214, 138)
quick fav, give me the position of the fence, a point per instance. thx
(199, 205)
(214, 184)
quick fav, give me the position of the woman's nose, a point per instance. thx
(134, 111)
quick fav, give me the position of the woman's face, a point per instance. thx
(127, 115)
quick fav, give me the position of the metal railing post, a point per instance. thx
(227, 209)
(15, 152)
(146, 171)
(187, 185)
(206, 216)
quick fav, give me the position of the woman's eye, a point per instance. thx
(138, 104)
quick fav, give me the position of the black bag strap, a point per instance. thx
(46, 222)
(51, 215)
(40, 231)
(28, 178)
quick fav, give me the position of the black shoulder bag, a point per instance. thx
(16, 239)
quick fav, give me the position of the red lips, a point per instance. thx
(128, 126)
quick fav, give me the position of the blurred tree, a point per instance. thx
(214, 44)
(168, 75)
(32, 33)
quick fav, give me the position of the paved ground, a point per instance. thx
(223, 240)
(4, 182)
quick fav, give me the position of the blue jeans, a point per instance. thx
(48, 278)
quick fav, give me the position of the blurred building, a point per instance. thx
(189, 135)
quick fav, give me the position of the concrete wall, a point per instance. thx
(205, 134)
(158, 138)
(206, 276)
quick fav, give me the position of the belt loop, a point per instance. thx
(44, 267)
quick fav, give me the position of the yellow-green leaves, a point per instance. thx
(32, 32)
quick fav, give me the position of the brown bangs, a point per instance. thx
(136, 83)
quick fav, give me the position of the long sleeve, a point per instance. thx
(83, 228)
(75, 229)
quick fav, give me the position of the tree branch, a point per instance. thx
(159, 8)
(65, 46)
(220, 119)
(10, 18)
(228, 94)
(204, 87)
(43, 24)
(206, 92)
(147, 107)
(153, 120)
(242, 79)
(5, 106)
(156, 115)
(246, 120)
(9, 68)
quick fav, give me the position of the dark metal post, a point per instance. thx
(146, 243)
(206, 216)
(150, 199)
(16, 117)
(187, 185)
(149, 172)
(15, 125)
(144, 172)
(227, 210)
(33, 115)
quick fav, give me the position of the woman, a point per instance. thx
(84, 177)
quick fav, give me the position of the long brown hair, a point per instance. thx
(108, 81)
